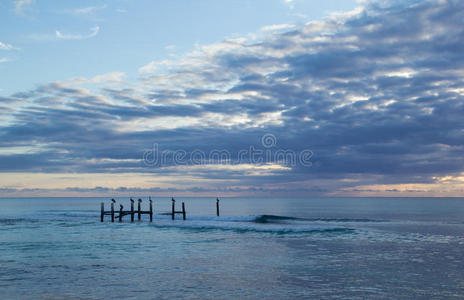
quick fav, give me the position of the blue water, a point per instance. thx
(342, 248)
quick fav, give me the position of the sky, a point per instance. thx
(288, 98)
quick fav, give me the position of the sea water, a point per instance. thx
(259, 248)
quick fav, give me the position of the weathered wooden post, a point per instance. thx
(132, 209)
(217, 207)
(112, 210)
(102, 214)
(183, 211)
(121, 207)
(173, 208)
(151, 210)
(138, 207)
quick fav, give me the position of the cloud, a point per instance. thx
(155, 191)
(376, 94)
(277, 27)
(20, 5)
(66, 36)
(71, 36)
(111, 77)
(171, 47)
(85, 10)
(3, 60)
(289, 3)
(5, 46)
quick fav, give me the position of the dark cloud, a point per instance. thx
(376, 94)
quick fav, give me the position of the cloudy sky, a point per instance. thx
(247, 98)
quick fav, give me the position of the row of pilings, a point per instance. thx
(139, 212)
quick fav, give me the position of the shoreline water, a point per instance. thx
(305, 248)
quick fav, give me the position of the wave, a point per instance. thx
(254, 223)
(243, 228)
(58, 215)
(15, 221)
(272, 219)
(264, 219)
(280, 219)
(264, 223)
(348, 220)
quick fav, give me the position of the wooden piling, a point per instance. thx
(112, 211)
(121, 213)
(102, 214)
(132, 210)
(173, 208)
(183, 210)
(217, 207)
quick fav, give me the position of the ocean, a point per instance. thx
(259, 248)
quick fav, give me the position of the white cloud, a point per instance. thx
(86, 10)
(21, 4)
(3, 59)
(290, 3)
(156, 66)
(5, 46)
(71, 36)
(277, 27)
(111, 77)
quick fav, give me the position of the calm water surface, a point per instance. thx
(352, 248)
